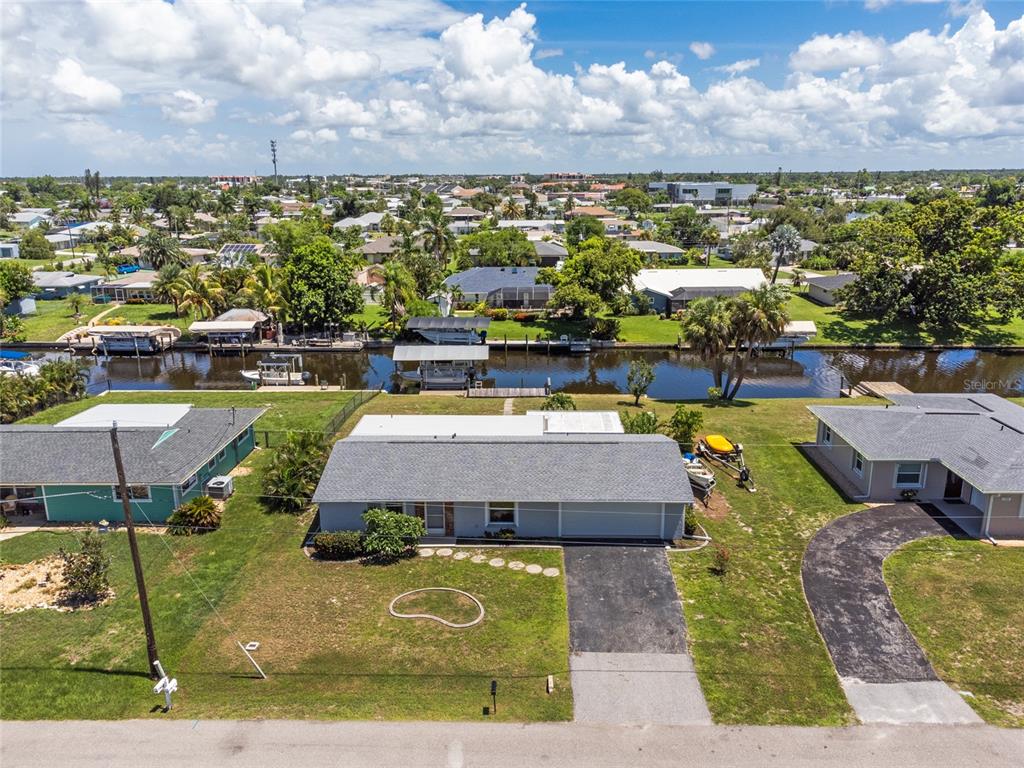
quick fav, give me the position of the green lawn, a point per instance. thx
(54, 317)
(963, 603)
(152, 314)
(756, 648)
(327, 643)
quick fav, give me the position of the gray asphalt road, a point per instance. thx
(266, 744)
(842, 575)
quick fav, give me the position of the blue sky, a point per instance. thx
(150, 87)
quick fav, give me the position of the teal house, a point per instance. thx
(65, 472)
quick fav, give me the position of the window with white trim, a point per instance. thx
(189, 483)
(858, 463)
(222, 454)
(909, 475)
(501, 513)
(135, 492)
(826, 434)
(212, 462)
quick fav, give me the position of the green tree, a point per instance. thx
(289, 482)
(399, 290)
(266, 287)
(15, 281)
(684, 225)
(166, 287)
(642, 423)
(511, 210)
(784, 242)
(639, 379)
(602, 267)
(85, 572)
(85, 207)
(160, 249)
(496, 248)
(707, 329)
(321, 285)
(204, 296)
(390, 535)
(683, 426)
(75, 302)
(438, 239)
(633, 200)
(582, 228)
(558, 401)
(759, 317)
(34, 245)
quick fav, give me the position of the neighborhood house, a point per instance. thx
(963, 452)
(65, 472)
(672, 289)
(541, 475)
(512, 287)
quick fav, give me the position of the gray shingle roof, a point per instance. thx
(40, 454)
(544, 248)
(586, 468)
(832, 282)
(487, 279)
(979, 437)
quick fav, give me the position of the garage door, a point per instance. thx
(642, 521)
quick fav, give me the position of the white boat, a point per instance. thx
(699, 475)
(283, 369)
(18, 368)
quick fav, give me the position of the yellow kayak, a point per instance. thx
(719, 444)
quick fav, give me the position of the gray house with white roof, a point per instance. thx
(539, 483)
(962, 452)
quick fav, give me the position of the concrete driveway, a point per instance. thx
(885, 673)
(627, 635)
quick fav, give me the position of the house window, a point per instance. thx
(390, 506)
(826, 435)
(909, 475)
(211, 462)
(858, 463)
(223, 453)
(501, 513)
(189, 483)
(135, 492)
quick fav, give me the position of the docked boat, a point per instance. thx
(133, 339)
(700, 476)
(450, 330)
(576, 346)
(279, 370)
(17, 364)
(440, 366)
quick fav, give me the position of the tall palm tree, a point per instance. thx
(709, 237)
(165, 286)
(195, 199)
(511, 210)
(204, 296)
(399, 289)
(707, 328)
(437, 238)
(785, 243)
(85, 207)
(759, 317)
(161, 250)
(268, 290)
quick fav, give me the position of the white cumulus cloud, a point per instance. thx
(702, 51)
(185, 106)
(75, 91)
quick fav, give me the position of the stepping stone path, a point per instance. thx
(494, 562)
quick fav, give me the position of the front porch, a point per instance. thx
(965, 516)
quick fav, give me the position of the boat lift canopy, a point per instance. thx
(447, 323)
(128, 331)
(437, 353)
(223, 326)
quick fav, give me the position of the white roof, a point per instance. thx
(530, 424)
(146, 330)
(666, 281)
(800, 328)
(128, 416)
(366, 220)
(439, 352)
(221, 326)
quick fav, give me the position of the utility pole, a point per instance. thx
(133, 544)
(273, 157)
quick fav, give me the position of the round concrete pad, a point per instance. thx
(444, 552)
(425, 552)
(496, 562)
(479, 558)
(460, 555)
(550, 571)
(534, 569)
(516, 565)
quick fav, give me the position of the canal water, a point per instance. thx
(678, 374)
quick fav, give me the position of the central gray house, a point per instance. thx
(511, 287)
(546, 485)
(964, 453)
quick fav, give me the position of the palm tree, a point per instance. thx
(195, 199)
(707, 329)
(225, 205)
(759, 317)
(267, 288)
(709, 237)
(204, 296)
(160, 250)
(511, 210)
(85, 207)
(165, 286)
(75, 303)
(437, 238)
(784, 242)
(399, 289)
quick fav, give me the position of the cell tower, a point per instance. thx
(273, 156)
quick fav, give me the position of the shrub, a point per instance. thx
(200, 515)
(85, 572)
(498, 313)
(480, 309)
(714, 394)
(639, 379)
(689, 525)
(720, 565)
(338, 545)
(558, 401)
(683, 426)
(292, 478)
(605, 328)
(622, 305)
(135, 300)
(389, 535)
(3, 521)
(818, 262)
(501, 533)
(642, 423)
(524, 317)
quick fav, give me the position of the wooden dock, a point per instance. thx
(508, 392)
(880, 389)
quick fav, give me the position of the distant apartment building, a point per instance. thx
(700, 193)
(235, 181)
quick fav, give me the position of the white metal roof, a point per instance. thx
(215, 326)
(665, 281)
(530, 424)
(147, 330)
(800, 328)
(155, 415)
(589, 422)
(439, 352)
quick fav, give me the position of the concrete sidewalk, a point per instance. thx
(267, 743)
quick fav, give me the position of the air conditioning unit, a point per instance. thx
(220, 487)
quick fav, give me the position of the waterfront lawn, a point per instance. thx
(327, 643)
(838, 328)
(757, 651)
(54, 317)
(152, 314)
(962, 601)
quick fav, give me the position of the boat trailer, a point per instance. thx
(729, 455)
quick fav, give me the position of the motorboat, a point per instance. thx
(699, 474)
(281, 370)
(11, 367)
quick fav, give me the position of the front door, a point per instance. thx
(435, 518)
(954, 486)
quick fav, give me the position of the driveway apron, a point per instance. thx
(884, 672)
(627, 636)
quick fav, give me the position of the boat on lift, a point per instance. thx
(282, 369)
